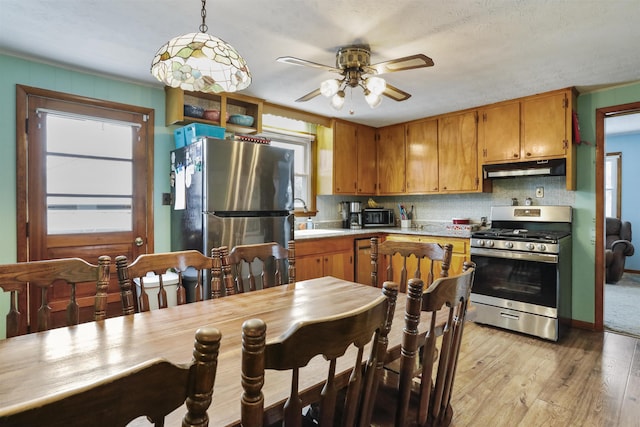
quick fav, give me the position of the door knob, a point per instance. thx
(139, 241)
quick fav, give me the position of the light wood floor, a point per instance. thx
(508, 379)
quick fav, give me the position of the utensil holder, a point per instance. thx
(405, 223)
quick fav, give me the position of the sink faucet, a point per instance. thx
(304, 204)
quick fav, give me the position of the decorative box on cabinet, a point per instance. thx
(227, 104)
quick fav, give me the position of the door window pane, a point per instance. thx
(89, 175)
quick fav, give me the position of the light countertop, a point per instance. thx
(440, 229)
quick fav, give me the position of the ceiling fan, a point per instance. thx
(353, 63)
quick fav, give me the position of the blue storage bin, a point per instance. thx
(195, 131)
(178, 136)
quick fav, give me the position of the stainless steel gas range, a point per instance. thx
(523, 270)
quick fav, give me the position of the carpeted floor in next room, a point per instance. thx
(622, 305)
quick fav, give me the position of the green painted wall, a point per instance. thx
(19, 71)
(29, 73)
(585, 204)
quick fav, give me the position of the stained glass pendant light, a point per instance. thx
(201, 63)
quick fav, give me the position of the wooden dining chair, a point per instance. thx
(153, 389)
(16, 278)
(421, 252)
(153, 268)
(423, 397)
(258, 266)
(329, 337)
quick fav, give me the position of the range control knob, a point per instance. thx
(509, 245)
(542, 247)
(531, 246)
(480, 242)
(490, 243)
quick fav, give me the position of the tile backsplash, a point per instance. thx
(443, 207)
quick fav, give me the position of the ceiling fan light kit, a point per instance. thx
(337, 100)
(201, 62)
(329, 87)
(373, 99)
(353, 63)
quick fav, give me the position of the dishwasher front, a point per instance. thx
(363, 261)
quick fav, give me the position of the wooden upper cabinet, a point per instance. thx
(391, 160)
(545, 120)
(532, 128)
(345, 154)
(367, 166)
(421, 147)
(458, 153)
(499, 132)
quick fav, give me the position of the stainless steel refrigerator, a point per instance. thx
(227, 193)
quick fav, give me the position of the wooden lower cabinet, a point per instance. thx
(334, 256)
(325, 257)
(460, 254)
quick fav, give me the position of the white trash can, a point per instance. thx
(152, 287)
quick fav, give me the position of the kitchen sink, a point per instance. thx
(317, 232)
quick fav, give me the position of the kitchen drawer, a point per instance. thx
(460, 251)
(460, 245)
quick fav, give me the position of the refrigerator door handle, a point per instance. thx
(244, 214)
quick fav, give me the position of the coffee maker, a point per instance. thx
(344, 208)
(355, 215)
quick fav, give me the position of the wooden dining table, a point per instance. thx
(41, 364)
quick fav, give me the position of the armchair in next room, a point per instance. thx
(618, 247)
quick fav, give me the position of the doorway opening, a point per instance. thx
(617, 147)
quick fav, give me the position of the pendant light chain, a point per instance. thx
(203, 28)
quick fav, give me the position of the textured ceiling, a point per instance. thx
(484, 51)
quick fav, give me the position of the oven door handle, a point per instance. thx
(525, 256)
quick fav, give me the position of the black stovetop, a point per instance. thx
(521, 234)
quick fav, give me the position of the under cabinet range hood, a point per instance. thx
(553, 167)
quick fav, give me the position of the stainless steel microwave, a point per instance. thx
(377, 217)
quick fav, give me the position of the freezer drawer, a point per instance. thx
(247, 230)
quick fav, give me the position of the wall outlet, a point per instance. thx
(539, 192)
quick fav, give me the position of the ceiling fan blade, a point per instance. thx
(400, 64)
(303, 62)
(395, 93)
(309, 96)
